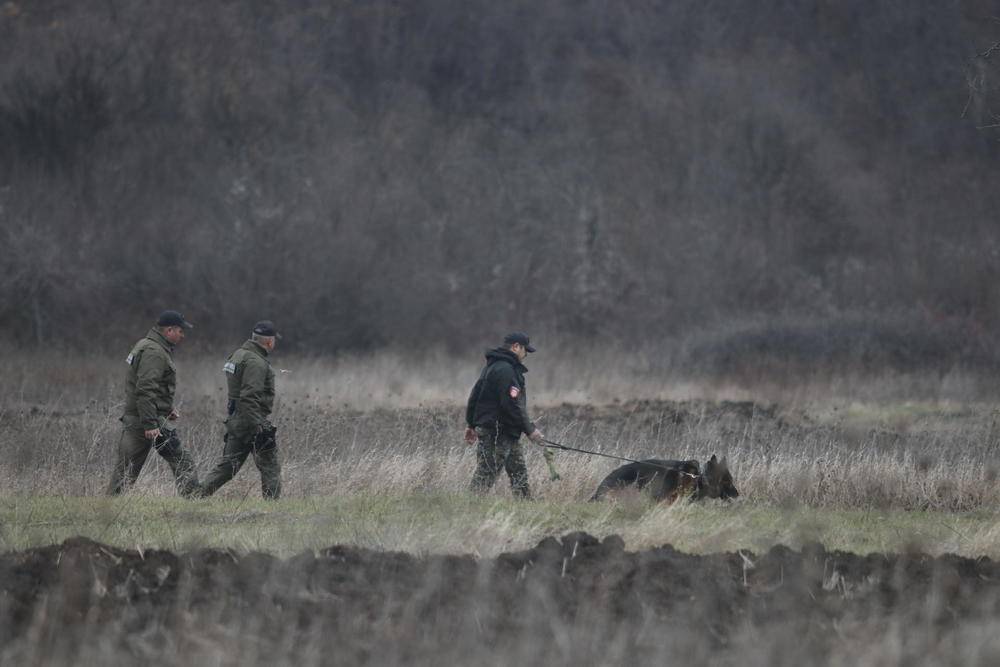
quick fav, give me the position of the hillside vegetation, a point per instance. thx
(372, 173)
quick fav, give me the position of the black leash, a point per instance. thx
(567, 448)
(549, 444)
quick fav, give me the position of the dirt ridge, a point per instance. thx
(390, 606)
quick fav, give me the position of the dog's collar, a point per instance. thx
(700, 485)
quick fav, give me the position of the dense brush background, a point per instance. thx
(810, 180)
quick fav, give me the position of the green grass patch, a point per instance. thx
(461, 523)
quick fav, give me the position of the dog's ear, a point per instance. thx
(724, 464)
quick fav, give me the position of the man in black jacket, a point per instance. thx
(497, 415)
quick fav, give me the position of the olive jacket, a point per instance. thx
(250, 382)
(150, 382)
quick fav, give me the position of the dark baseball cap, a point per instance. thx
(518, 337)
(266, 328)
(171, 318)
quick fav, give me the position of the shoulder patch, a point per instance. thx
(230, 368)
(514, 391)
(129, 358)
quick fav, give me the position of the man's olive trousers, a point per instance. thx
(235, 451)
(133, 448)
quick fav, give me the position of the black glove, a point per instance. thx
(167, 442)
(266, 439)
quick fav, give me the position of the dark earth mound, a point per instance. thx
(575, 600)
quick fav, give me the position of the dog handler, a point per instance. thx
(497, 415)
(251, 398)
(149, 409)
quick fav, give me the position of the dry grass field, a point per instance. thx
(392, 425)
(374, 462)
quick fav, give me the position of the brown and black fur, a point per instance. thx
(668, 480)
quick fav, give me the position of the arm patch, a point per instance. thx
(514, 391)
(230, 368)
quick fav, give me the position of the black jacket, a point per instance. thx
(499, 399)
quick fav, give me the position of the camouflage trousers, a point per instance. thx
(496, 451)
(263, 446)
(133, 449)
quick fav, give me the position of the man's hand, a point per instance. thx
(470, 435)
(173, 414)
(536, 436)
(152, 434)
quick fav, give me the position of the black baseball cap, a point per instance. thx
(266, 328)
(518, 337)
(171, 318)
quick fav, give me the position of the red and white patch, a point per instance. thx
(514, 392)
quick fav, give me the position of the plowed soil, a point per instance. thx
(575, 600)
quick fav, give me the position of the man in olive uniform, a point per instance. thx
(248, 431)
(497, 415)
(149, 409)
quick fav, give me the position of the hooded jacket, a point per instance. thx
(499, 398)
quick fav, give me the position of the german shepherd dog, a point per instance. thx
(670, 480)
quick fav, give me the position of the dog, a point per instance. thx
(668, 480)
